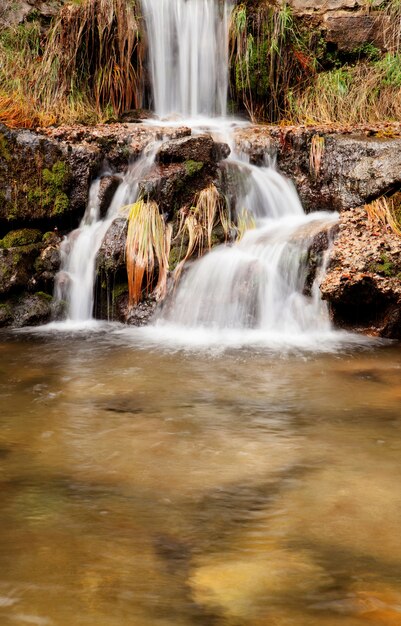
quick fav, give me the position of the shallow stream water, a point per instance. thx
(160, 487)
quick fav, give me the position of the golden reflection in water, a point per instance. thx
(146, 488)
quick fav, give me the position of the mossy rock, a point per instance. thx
(4, 148)
(6, 314)
(119, 290)
(17, 266)
(32, 310)
(50, 193)
(21, 237)
(47, 297)
(193, 167)
(177, 253)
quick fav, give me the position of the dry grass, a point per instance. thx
(316, 154)
(94, 48)
(392, 27)
(268, 56)
(245, 221)
(148, 241)
(383, 211)
(88, 69)
(198, 222)
(364, 93)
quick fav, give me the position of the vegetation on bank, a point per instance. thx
(89, 67)
(283, 70)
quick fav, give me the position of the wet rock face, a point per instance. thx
(28, 264)
(45, 175)
(183, 167)
(40, 180)
(363, 282)
(317, 250)
(345, 171)
(44, 183)
(200, 148)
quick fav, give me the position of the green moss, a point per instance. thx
(22, 237)
(61, 204)
(4, 151)
(193, 167)
(177, 253)
(44, 296)
(54, 182)
(119, 290)
(386, 267)
(48, 236)
(51, 193)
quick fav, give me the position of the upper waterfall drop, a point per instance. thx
(188, 56)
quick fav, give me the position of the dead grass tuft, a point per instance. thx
(383, 211)
(148, 241)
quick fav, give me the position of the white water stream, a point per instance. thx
(259, 282)
(256, 285)
(188, 50)
(75, 281)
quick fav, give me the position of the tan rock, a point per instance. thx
(350, 30)
(322, 6)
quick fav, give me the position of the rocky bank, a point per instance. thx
(45, 177)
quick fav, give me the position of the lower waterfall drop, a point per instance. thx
(75, 281)
(259, 283)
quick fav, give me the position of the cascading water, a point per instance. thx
(257, 284)
(188, 50)
(75, 281)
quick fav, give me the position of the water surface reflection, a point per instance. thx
(143, 487)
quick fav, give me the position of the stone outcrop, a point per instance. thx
(13, 12)
(345, 170)
(345, 24)
(363, 281)
(183, 167)
(28, 264)
(331, 170)
(44, 183)
(45, 175)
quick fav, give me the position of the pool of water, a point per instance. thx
(155, 487)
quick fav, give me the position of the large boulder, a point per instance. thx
(338, 172)
(198, 148)
(183, 167)
(362, 284)
(45, 175)
(13, 12)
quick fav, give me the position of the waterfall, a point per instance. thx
(260, 282)
(74, 284)
(188, 55)
(257, 284)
